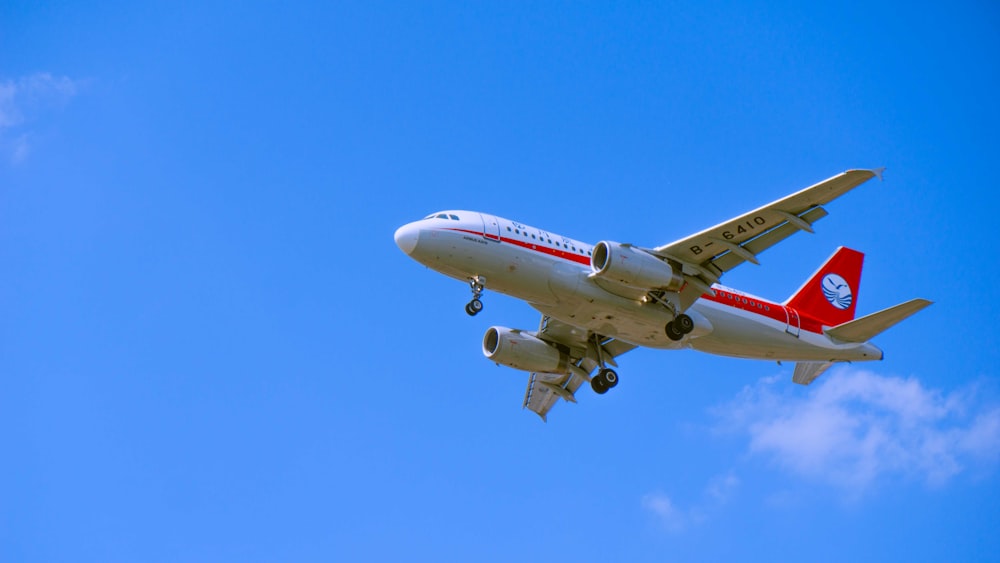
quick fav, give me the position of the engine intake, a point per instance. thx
(632, 267)
(520, 350)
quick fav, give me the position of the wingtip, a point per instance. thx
(878, 172)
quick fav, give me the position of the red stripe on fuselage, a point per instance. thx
(540, 248)
(763, 308)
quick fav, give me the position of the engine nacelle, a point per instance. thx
(632, 267)
(523, 351)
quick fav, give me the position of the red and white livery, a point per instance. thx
(600, 301)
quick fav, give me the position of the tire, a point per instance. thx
(684, 324)
(672, 332)
(469, 311)
(475, 306)
(610, 378)
(598, 385)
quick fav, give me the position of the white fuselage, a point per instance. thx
(552, 273)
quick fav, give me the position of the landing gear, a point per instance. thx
(684, 323)
(672, 332)
(677, 328)
(604, 380)
(477, 284)
(473, 307)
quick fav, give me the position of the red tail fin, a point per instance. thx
(831, 294)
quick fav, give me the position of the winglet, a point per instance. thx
(878, 173)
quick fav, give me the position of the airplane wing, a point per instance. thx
(705, 256)
(545, 389)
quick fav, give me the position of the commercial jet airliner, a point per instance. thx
(598, 302)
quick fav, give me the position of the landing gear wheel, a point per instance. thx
(609, 377)
(477, 284)
(672, 332)
(598, 385)
(684, 324)
(474, 307)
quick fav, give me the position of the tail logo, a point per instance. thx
(837, 292)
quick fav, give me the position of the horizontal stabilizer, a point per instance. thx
(870, 326)
(806, 372)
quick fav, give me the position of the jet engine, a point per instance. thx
(523, 351)
(630, 266)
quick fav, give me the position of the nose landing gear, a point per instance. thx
(477, 284)
(473, 307)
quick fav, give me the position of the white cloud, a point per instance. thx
(22, 100)
(674, 519)
(722, 487)
(856, 427)
(666, 513)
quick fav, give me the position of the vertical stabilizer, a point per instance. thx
(831, 294)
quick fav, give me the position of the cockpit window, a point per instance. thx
(442, 216)
(453, 217)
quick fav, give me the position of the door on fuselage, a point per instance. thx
(491, 227)
(794, 325)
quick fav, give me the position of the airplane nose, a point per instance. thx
(406, 238)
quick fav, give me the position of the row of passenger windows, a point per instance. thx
(745, 301)
(442, 216)
(525, 234)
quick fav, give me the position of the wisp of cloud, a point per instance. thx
(856, 427)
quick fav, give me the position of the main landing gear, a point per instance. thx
(477, 284)
(606, 378)
(677, 328)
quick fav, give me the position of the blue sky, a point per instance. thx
(212, 349)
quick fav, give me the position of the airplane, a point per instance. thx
(600, 301)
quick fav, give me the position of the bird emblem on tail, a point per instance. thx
(837, 291)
